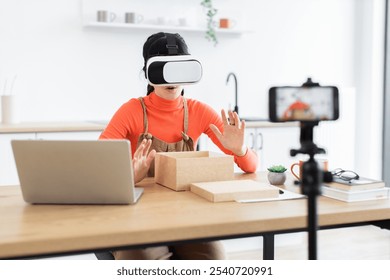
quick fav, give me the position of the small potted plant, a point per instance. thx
(276, 175)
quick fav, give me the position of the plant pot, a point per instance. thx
(276, 178)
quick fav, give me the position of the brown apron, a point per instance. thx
(186, 144)
(193, 251)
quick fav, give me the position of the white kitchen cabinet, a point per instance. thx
(273, 145)
(8, 173)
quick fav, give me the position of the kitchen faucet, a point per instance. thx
(236, 93)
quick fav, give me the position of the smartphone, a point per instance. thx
(315, 103)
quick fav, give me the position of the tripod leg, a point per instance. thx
(312, 224)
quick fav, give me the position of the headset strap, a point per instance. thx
(171, 44)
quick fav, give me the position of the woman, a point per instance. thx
(165, 121)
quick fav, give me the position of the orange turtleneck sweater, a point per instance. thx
(165, 121)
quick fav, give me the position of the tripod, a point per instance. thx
(312, 178)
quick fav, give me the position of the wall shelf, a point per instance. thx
(155, 27)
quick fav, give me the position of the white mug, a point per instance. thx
(105, 16)
(133, 18)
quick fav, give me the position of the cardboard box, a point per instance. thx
(234, 190)
(177, 170)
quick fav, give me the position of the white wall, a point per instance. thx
(369, 71)
(68, 72)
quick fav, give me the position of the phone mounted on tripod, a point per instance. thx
(309, 104)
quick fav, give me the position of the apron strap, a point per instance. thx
(145, 115)
(185, 115)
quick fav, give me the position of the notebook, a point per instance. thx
(75, 172)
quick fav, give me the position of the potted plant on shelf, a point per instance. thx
(210, 13)
(276, 175)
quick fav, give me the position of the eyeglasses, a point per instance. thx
(346, 175)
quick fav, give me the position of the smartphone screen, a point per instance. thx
(303, 103)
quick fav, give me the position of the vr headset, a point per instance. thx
(173, 69)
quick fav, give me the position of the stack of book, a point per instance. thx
(355, 190)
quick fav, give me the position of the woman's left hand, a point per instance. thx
(232, 137)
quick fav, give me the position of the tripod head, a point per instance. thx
(306, 139)
(312, 175)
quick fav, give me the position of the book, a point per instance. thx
(359, 195)
(234, 190)
(355, 185)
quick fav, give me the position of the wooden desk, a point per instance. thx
(162, 216)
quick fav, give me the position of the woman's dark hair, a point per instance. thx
(156, 45)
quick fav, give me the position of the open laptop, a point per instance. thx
(75, 172)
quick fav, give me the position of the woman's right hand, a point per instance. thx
(142, 160)
(232, 137)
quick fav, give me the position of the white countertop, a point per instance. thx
(26, 127)
(267, 124)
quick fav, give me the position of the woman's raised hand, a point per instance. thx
(142, 160)
(232, 137)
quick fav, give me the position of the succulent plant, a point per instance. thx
(277, 168)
